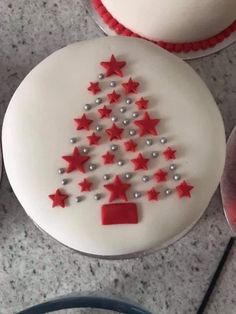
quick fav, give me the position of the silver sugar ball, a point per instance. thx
(132, 132)
(176, 177)
(145, 178)
(106, 177)
(168, 191)
(98, 128)
(114, 118)
(149, 142)
(126, 121)
(135, 114)
(92, 167)
(61, 171)
(128, 175)
(122, 109)
(64, 181)
(112, 84)
(155, 154)
(120, 163)
(101, 76)
(85, 150)
(114, 147)
(73, 140)
(98, 100)
(97, 197)
(137, 194)
(172, 167)
(87, 107)
(128, 101)
(163, 140)
(78, 199)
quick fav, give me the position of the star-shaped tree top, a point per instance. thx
(113, 66)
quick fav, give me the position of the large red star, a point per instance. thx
(76, 161)
(94, 88)
(104, 112)
(142, 103)
(108, 158)
(152, 195)
(113, 97)
(160, 175)
(147, 125)
(130, 146)
(93, 139)
(114, 132)
(85, 185)
(140, 162)
(130, 86)
(113, 66)
(83, 123)
(183, 189)
(169, 153)
(117, 189)
(58, 198)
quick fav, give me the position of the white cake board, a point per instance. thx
(186, 56)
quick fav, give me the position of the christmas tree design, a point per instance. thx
(121, 121)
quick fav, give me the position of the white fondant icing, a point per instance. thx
(39, 123)
(174, 20)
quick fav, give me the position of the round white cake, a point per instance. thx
(113, 146)
(174, 20)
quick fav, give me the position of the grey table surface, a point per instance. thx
(33, 267)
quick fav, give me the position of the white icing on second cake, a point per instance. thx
(39, 124)
(174, 20)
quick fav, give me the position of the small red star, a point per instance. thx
(113, 97)
(93, 139)
(85, 185)
(113, 66)
(94, 88)
(117, 189)
(183, 189)
(142, 103)
(104, 112)
(130, 86)
(160, 175)
(130, 146)
(152, 195)
(108, 158)
(58, 199)
(147, 125)
(114, 132)
(169, 153)
(83, 122)
(140, 162)
(76, 161)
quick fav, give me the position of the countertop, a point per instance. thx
(33, 267)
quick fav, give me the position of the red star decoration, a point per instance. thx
(94, 88)
(169, 153)
(58, 199)
(108, 158)
(130, 86)
(117, 189)
(114, 132)
(113, 97)
(85, 185)
(113, 66)
(160, 175)
(140, 162)
(147, 125)
(130, 146)
(152, 195)
(76, 161)
(83, 123)
(142, 103)
(93, 139)
(183, 189)
(104, 112)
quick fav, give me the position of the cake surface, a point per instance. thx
(123, 186)
(174, 21)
